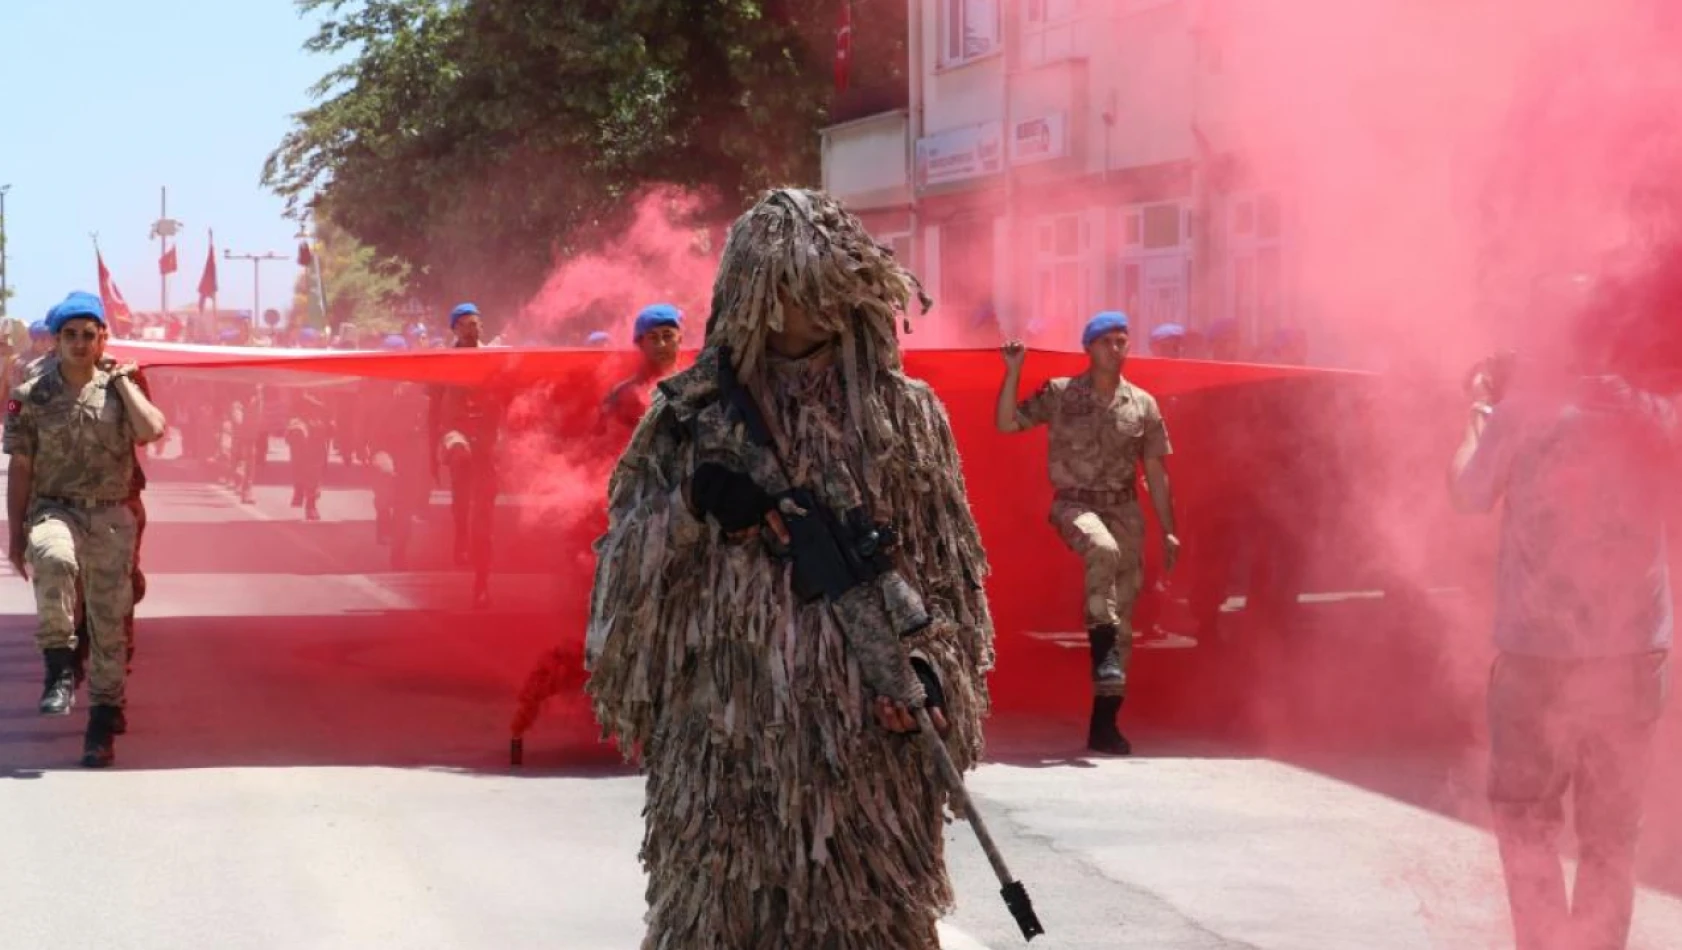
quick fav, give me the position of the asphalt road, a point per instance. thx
(317, 759)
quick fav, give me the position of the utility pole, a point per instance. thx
(256, 279)
(163, 229)
(307, 240)
(4, 251)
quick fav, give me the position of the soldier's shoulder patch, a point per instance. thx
(13, 407)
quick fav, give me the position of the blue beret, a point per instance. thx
(228, 336)
(462, 310)
(309, 334)
(1168, 331)
(80, 305)
(598, 338)
(394, 342)
(657, 315)
(39, 327)
(1110, 321)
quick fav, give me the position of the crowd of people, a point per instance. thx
(792, 493)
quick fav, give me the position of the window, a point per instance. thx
(900, 244)
(1051, 11)
(969, 30)
(1162, 226)
(1258, 256)
(1061, 270)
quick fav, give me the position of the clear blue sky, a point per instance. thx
(104, 101)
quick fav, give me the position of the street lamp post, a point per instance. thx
(256, 278)
(163, 229)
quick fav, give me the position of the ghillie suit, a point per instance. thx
(779, 813)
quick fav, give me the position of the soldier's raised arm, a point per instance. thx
(1005, 417)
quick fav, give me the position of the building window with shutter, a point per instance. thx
(970, 30)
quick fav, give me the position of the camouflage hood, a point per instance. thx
(803, 248)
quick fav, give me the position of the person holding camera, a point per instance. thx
(1103, 428)
(1582, 463)
(789, 802)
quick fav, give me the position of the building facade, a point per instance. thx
(1059, 157)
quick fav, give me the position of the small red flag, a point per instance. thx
(207, 281)
(117, 315)
(844, 47)
(166, 264)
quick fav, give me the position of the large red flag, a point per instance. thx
(117, 315)
(207, 281)
(844, 47)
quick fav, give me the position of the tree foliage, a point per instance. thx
(479, 141)
(359, 289)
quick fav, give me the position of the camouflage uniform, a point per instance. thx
(465, 423)
(81, 527)
(1094, 455)
(306, 441)
(402, 485)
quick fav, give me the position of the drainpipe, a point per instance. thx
(914, 128)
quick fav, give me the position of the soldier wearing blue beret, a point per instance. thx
(1103, 429)
(657, 334)
(71, 481)
(464, 424)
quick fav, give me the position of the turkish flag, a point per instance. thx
(207, 280)
(166, 264)
(117, 316)
(844, 47)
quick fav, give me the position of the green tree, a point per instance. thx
(360, 288)
(480, 141)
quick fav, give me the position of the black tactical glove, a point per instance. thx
(931, 683)
(729, 496)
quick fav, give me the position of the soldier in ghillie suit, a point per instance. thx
(787, 804)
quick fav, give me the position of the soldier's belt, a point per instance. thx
(82, 504)
(1082, 496)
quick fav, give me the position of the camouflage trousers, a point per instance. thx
(473, 487)
(402, 488)
(1110, 540)
(92, 548)
(306, 444)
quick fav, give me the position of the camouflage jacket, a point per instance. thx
(1095, 447)
(82, 443)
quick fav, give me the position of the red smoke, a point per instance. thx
(665, 255)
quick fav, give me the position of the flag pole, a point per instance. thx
(163, 241)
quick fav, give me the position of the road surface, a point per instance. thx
(314, 762)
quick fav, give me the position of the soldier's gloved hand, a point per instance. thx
(731, 497)
(896, 717)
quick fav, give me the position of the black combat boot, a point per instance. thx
(59, 693)
(1108, 679)
(311, 513)
(99, 746)
(1102, 735)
